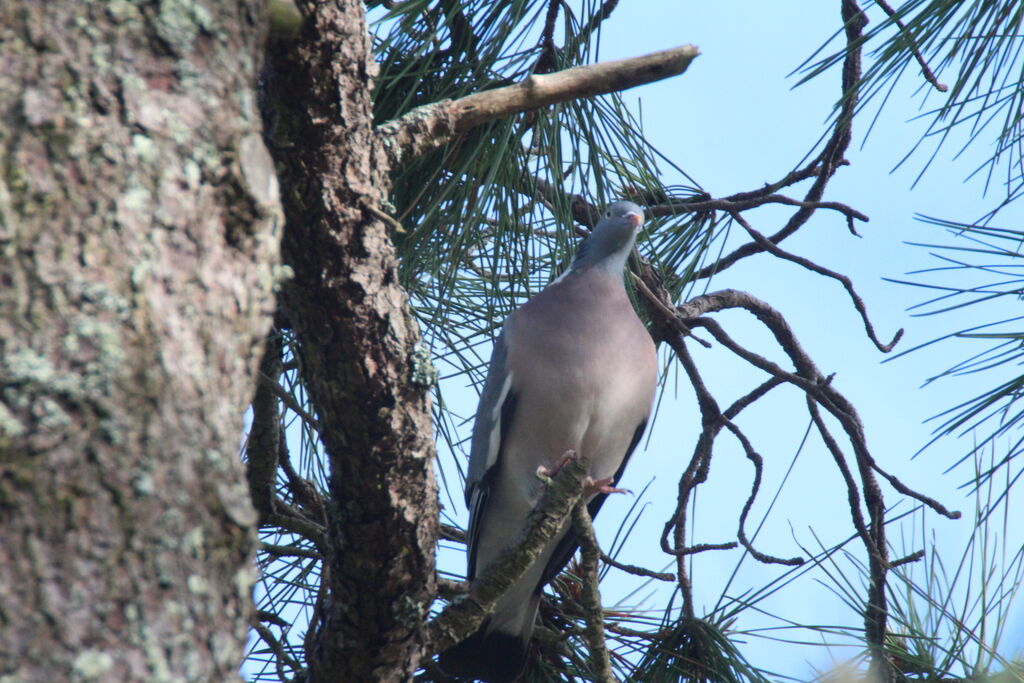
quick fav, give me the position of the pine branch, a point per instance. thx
(461, 617)
(433, 125)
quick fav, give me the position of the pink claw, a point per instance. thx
(562, 462)
(593, 487)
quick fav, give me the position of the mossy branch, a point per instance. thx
(462, 617)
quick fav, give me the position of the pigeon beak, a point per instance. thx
(635, 219)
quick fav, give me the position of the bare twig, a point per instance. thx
(387, 218)
(812, 170)
(607, 7)
(746, 400)
(661, 303)
(819, 391)
(831, 156)
(635, 570)
(858, 303)
(275, 646)
(297, 524)
(673, 208)
(583, 212)
(451, 533)
(546, 61)
(907, 491)
(695, 474)
(758, 462)
(271, 618)
(430, 126)
(590, 595)
(289, 551)
(660, 634)
(293, 405)
(852, 492)
(916, 556)
(303, 491)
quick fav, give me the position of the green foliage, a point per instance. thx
(695, 650)
(949, 617)
(982, 265)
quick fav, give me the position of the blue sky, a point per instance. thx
(734, 121)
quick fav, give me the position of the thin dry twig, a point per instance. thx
(293, 405)
(583, 212)
(547, 59)
(858, 303)
(820, 391)
(695, 474)
(730, 204)
(913, 557)
(296, 523)
(758, 463)
(590, 595)
(451, 533)
(271, 618)
(607, 7)
(661, 303)
(822, 167)
(289, 551)
(280, 654)
(635, 570)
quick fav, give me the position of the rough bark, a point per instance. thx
(138, 208)
(358, 351)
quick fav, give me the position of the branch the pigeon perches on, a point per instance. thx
(433, 125)
(462, 617)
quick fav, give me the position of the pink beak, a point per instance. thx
(634, 219)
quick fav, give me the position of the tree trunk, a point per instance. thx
(358, 345)
(138, 208)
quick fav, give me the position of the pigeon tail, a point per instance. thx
(495, 656)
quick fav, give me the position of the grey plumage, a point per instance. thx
(573, 369)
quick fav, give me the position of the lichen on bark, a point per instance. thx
(130, 328)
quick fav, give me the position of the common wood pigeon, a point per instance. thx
(573, 369)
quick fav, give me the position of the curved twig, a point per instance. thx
(758, 462)
(281, 655)
(858, 303)
(831, 156)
